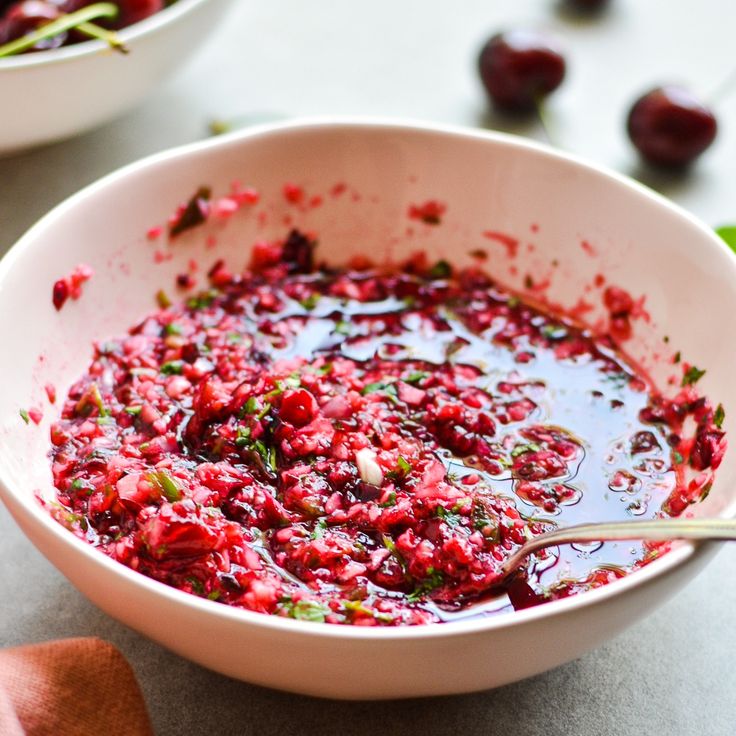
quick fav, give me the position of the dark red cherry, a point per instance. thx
(671, 127)
(25, 17)
(520, 67)
(587, 6)
(132, 11)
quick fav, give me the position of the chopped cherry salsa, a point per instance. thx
(366, 446)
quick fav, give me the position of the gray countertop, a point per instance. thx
(671, 674)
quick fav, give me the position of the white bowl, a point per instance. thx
(644, 244)
(51, 95)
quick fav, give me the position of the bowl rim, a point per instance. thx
(681, 552)
(129, 34)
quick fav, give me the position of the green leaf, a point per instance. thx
(692, 376)
(172, 329)
(719, 416)
(24, 416)
(727, 233)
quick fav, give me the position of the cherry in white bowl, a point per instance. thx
(54, 94)
(576, 216)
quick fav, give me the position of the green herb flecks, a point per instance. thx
(402, 469)
(243, 437)
(91, 398)
(172, 367)
(450, 518)
(202, 300)
(692, 375)
(441, 270)
(416, 377)
(435, 580)
(554, 332)
(162, 299)
(485, 523)
(522, 449)
(311, 301)
(358, 607)
(165, 484)
(319, 529)
(305, 610)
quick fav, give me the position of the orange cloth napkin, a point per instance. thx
(73, 687)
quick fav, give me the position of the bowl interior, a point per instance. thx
(570, 223)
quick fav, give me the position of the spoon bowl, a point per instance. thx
(652, 530)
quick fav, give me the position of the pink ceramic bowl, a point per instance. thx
(488, 181)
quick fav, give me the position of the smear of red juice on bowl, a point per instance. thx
(70, 287)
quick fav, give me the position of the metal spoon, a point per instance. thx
(654, 530)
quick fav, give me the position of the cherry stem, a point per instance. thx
(79, 20)
(724, 87)
(544, 120)
(109, 37)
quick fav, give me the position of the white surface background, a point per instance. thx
(671, 674)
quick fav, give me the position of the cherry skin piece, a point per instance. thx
(671, 127)
(520, 67)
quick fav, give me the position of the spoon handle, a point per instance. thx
(652, 530)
